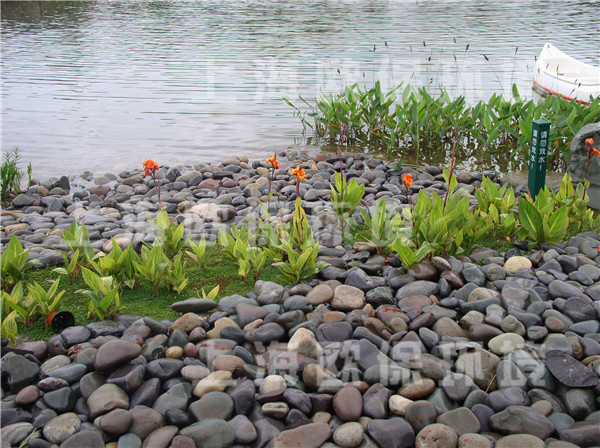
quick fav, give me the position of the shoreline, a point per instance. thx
(367, 353)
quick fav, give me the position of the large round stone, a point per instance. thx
(347, 298)
(348, 404)
(436, 436)
(115, 352)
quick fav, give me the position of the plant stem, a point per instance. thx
(452, 164)
(341, 142)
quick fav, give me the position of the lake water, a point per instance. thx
(102, 86)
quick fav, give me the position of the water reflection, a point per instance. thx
(105, 85)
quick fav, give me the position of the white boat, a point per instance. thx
(557, 73)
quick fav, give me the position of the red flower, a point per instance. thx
(299, 173)
(273, 161)
(149, 165)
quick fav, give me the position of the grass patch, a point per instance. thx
(218, 271)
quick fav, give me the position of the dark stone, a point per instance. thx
(61, 400)
(376, 402)
(569, 371)
(392, 433)
(18, 372)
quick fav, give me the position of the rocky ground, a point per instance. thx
(487, 350)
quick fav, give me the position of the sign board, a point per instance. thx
(538, 158)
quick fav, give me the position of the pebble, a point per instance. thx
(436, 435)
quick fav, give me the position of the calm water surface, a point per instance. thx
(102, 86)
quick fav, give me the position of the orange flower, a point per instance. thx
(408, 180)
(595, 151)
(589, 141)
(299, 173)
(149, 165)
(273, 161)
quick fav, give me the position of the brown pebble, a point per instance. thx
(27, 396)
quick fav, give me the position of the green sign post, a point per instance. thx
(540, 131)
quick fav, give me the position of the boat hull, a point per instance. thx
(557, 73)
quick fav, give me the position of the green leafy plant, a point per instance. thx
(153, 266)
(77, 239)
(29, 172)
(576, 200)
(9, 327)
(447, 227)
(176, 278)
(345, 197)
(10, 317)
(212, 294)
(298, 266)
(104, 295)
(119, 264)
(496, 205)
(168, 234)
(10, 174)
(541, 220)
(25, 306)
(258, 258)
(499, 129)
(237, 245)
(408, 256)
(301, 250)
(47, 301)
(198, 253)
(379, 227)
(71, 268)
(14, 264)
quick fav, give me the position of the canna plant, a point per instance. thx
(212, 294)
(198, 253)
(47, 301)
(236, 247)
(379, 227)
(119, 264)
(408, 255)
(10, 316)
(9, 326)
(25, 306)
(576, 200)
(153, 267)
(541, 219)
(496, 205)
(78, 238)
(168, 234)
(257, 257)
(150, 168)
(175, 278)
(104, 295)
(299, 248)
(14, 264)
(345, 197)
(71, 268)
(447, 226)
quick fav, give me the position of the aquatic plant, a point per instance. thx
(416, 122)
